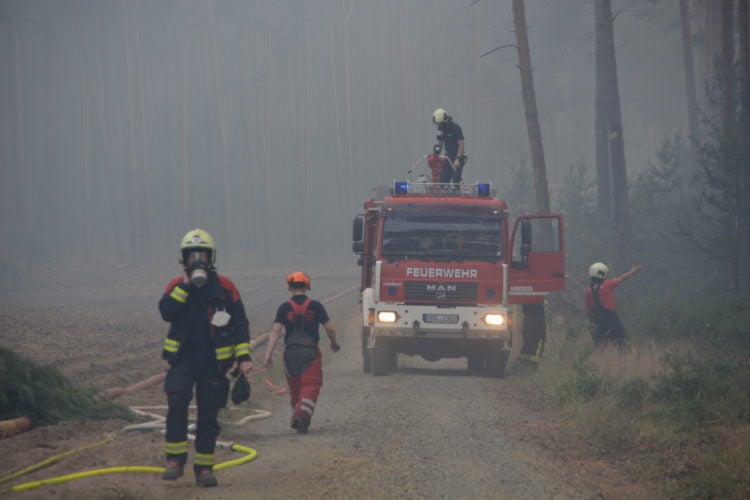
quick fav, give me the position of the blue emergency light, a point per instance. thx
(483, 189)
(401, 187)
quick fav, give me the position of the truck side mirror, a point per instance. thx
(358, 232)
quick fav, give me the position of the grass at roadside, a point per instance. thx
(677, 411)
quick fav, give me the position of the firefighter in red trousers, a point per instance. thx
(208, 333)
(300, 317)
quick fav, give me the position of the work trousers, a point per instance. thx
(304, 384)
(607, 327)
(211, 391)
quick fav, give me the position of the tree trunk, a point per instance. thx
(216, 66)
(744, 75)
(603, 169)
(727, 67)
(529, 101)
(689, 65)
(615, 132)
(186, 220)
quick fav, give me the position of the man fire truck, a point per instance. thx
(443, 272)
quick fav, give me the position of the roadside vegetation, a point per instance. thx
(675, 406)
(42, 394)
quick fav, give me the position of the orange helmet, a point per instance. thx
(299, 278)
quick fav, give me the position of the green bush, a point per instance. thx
(584, 384)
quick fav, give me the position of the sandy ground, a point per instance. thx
(428, 430)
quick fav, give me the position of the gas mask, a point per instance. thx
(196, 266)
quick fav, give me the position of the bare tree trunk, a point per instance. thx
(384, 149)
(186, 219)
(302, 134)
(222, 129)
(334, 78)
(615, 132)
(689, 65)
(601, 127)
(727, 67)
(135, 199)
(711, 38)
(268, 114)
(529, 101)
(347, 84)
(145, 188)
(744, 74)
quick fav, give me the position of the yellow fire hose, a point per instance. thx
(250, 454)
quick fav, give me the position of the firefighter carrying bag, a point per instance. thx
(301, 348)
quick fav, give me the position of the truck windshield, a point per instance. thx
(444, 233)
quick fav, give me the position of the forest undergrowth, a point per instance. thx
(674, 406)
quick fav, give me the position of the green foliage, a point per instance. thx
(584, 384)
(44, 395)
(519, 194)
(586, 237)
(724, 203)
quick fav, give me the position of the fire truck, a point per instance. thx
(443, 272)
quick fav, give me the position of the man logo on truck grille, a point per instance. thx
(441, 291)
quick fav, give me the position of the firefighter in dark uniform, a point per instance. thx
(451, 138)
(602, 307)
(534, 334)
(300, 317)
(208, 333)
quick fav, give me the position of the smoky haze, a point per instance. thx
(125, 123)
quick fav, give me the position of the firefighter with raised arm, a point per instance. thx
(299, 317)
(602, 307)
(451, 138)
(208, 334)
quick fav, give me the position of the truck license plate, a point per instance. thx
(440, 318)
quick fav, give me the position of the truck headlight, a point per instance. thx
(387, 317)
(494, 319)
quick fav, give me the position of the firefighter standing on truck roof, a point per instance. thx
(601, 306)
(208, 332)
(300, 316)
(451, 137)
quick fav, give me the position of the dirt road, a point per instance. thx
(426, 431)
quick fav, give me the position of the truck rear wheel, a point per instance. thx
(380, 357)
(366, 360)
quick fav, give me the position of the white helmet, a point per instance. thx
(439, 116)
(598, 270)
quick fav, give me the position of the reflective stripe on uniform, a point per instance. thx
(242, 349)
(171, 345)
(179, 295)
(178, 448)
(223, 353)
(307, 405)
(204, 459)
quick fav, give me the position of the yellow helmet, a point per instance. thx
(198, 239)
(598, 270)
(439, 116)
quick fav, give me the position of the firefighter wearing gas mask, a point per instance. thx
(208, 333)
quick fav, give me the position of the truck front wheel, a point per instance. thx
(366, 360)
(380, 357)
(496, 359)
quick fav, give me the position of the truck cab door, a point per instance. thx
(537, 258)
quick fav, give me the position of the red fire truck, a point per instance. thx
(443, 271)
